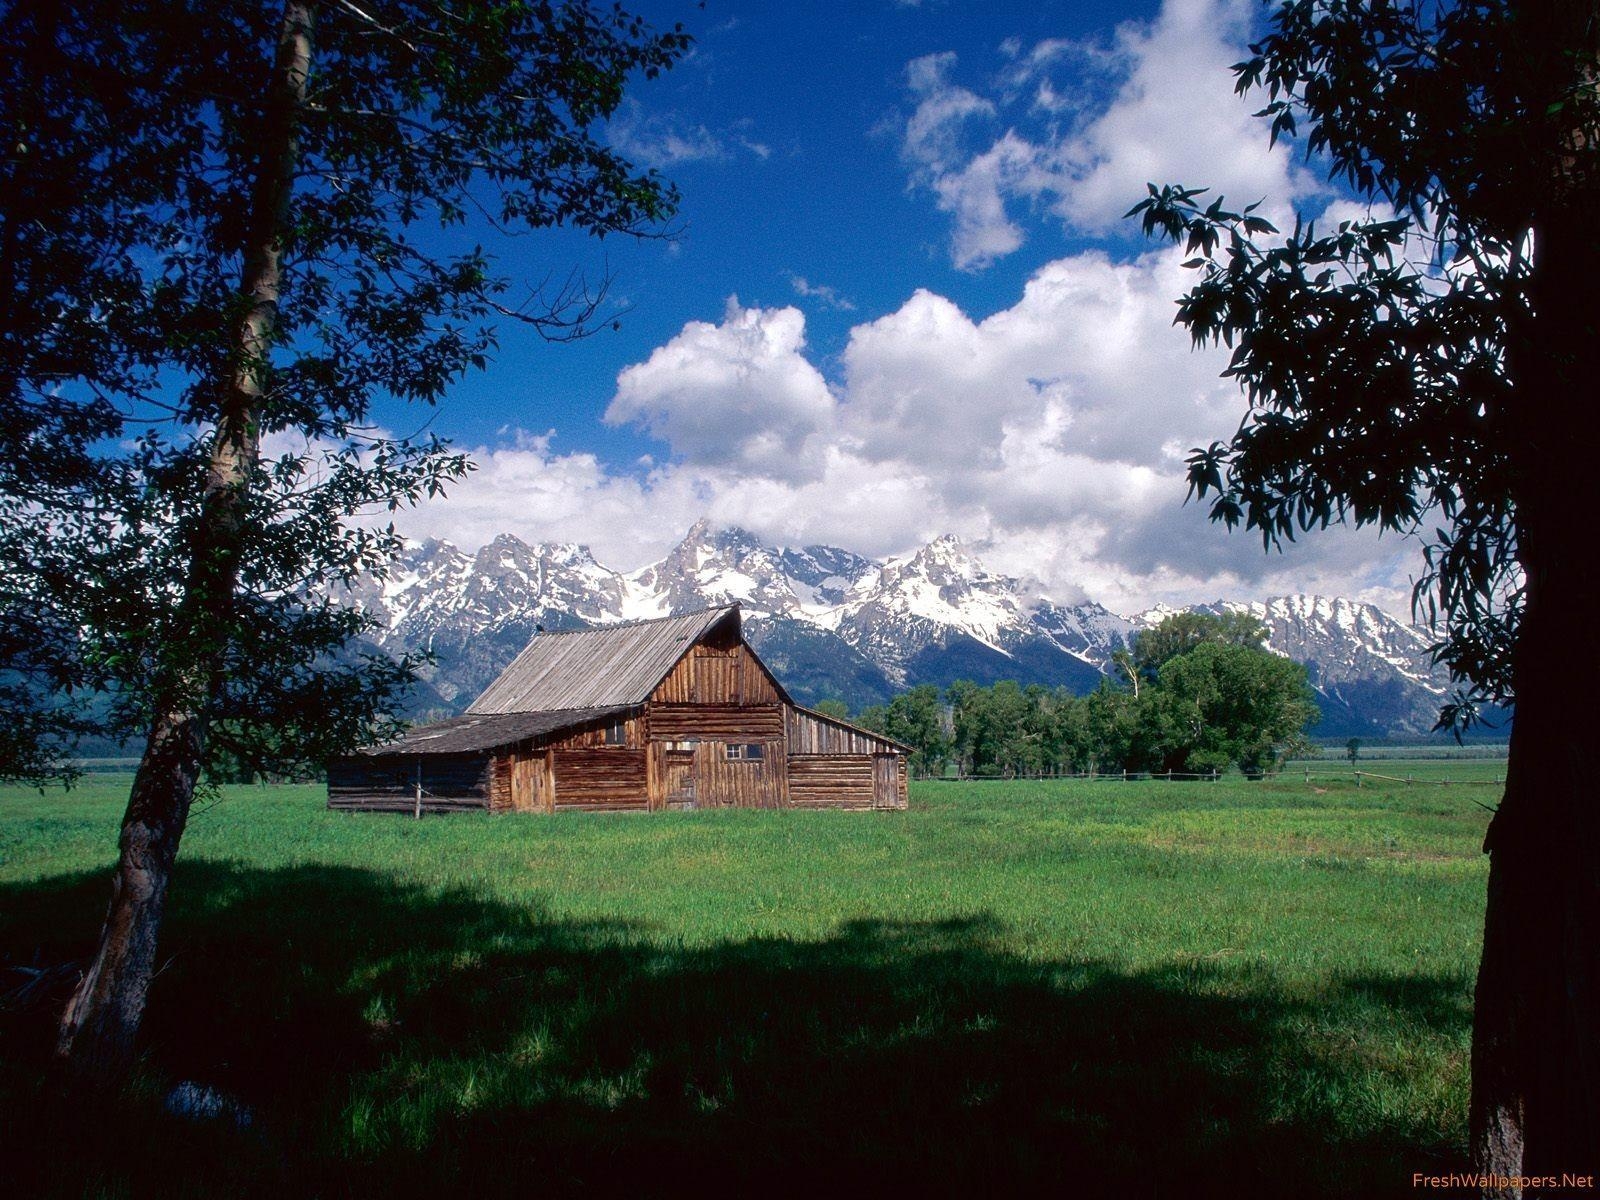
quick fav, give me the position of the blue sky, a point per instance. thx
(900, 302)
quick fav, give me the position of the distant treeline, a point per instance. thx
(1197, 693)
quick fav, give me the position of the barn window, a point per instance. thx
(617, 733)
(745, 751)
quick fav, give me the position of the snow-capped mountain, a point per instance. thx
(937, 615)
(435, 586)
(720, 566)
(833, 623)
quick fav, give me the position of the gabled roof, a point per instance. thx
(470, 733)
(598, 668)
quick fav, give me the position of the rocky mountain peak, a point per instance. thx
(849, 625)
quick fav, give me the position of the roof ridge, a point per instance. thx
(674, 616)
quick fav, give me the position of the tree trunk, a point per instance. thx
(98, 1028)
(1536, 1033)
(1535, 1109)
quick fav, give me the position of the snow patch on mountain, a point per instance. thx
(905, 615)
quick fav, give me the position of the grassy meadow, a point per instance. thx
(1147, 988)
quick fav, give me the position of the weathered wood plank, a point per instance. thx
(812, 733)
(729, 723)
(831, 781)
(723, 782)
(712, 675)
(599, 776)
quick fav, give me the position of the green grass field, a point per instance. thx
(1149, 988)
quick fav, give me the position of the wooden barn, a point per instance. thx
(670, 713)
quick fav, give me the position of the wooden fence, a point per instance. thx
(1409, 781)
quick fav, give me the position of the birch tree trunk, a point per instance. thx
(99, 1025)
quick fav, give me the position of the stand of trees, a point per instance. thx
(1198, 694)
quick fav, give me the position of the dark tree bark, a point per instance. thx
(96, 1041)
(1536, 1033)
(1535, 1109)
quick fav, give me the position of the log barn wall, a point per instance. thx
(501, 767)
(830, 780)
(630, 728)
(689, 722)
(847, 781)
(600, 778)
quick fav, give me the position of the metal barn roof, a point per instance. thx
(597, 668)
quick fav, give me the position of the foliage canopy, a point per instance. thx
(1378, 355)
(1212, 699)
(143, 142)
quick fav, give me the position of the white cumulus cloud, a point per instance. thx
(1077, 129)
(1053, 432)
(739, 394)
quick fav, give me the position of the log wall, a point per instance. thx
(600, 778)
(501, 768)
(830, 781)
(450, 783)
(632, 736)
(847, 781)
(723, 722)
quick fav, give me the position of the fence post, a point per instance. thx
(419, 788)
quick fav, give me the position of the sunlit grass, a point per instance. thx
(1009, 985)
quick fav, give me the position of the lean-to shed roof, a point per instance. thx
(597, 668)
(472, 732)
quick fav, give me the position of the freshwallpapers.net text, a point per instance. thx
(1486, 1182)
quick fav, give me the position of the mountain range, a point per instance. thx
(831, 623)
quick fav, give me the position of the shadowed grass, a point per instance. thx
(1205, 989)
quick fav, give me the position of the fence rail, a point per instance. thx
(1409, 781)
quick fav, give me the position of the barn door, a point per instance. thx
(531, 782)
(885, 775)
(678, 779)
(523, 775)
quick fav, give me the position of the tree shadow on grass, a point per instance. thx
(393, 1040)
